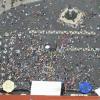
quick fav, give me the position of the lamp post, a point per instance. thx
(3, 4)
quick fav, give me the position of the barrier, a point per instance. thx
(10, 97)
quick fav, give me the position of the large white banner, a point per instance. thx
(46, 88)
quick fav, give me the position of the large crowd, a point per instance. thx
(24, 56)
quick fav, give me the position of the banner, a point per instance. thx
(48, 98)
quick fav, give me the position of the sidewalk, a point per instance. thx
(7, 4)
